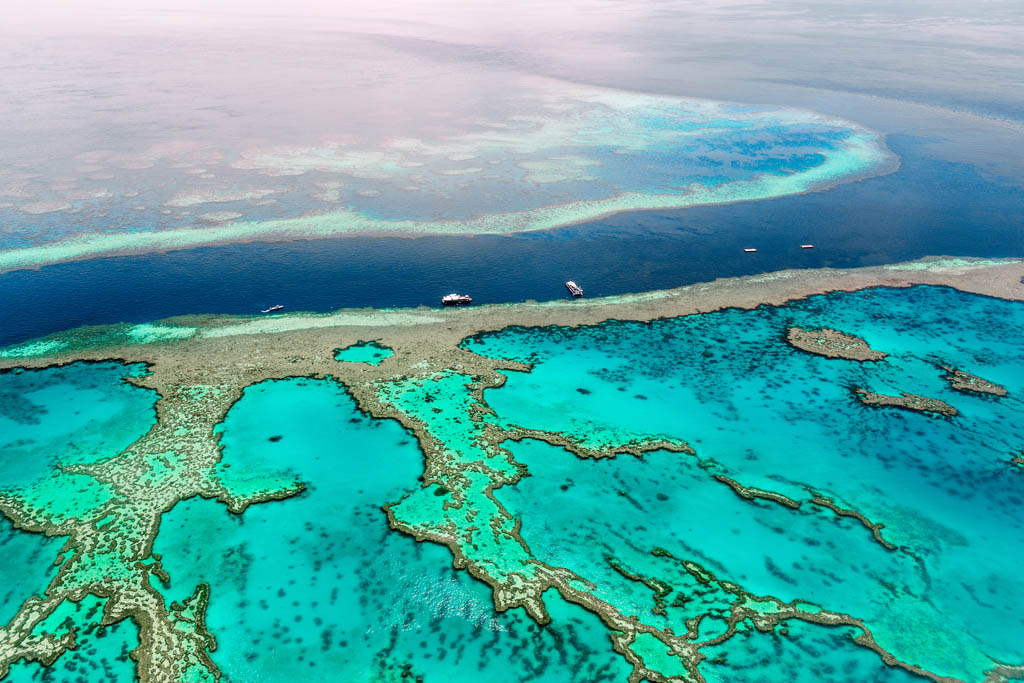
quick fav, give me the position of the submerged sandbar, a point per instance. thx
(420, 332)
(514, 170)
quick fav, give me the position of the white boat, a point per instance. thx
(574, 288)
(278, 307)
(750, 250)
(807, 246)
(456, 299)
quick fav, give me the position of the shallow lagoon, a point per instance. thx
(364, 352)
(754, 408)
(780, 419)
(317, 586)
(101, 655)
(74, 414)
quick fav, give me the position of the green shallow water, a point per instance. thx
(806, 654)
(78, 413)
(27, 566)
(102, 653)
(777, 418)
(317, 586)
(364, 352)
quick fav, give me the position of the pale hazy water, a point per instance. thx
(200, 113)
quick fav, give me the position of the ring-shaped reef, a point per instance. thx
(548, 154)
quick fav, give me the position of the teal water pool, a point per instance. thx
(77, 413)
(364, 352)
(796, 498)
(317, 586)
(774, 417)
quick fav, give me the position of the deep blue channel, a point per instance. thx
(927, 207)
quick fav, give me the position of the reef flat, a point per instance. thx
(437, 329)
(832, 344)
(509, 169)
(905, 401)
(523, 416)
(964, 381)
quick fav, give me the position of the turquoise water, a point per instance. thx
(364, 352)
(317, 586)
(101, 655)
(79, 413)
(76, 413)
(587, 515)
(26, 567)
(806, 654)
(777, 418)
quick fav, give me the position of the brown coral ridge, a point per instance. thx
(521, 590)
(765, 620)
(971, 384)
(637, 447)
(661, 589)
(174, 461)
(200, 376)
(1003, 673)
(905, 401)
(874, 527)
(832, 344)
(221, 334)
(752, 493)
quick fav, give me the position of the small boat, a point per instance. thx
(456, 299)
(750, 250)
(272, 309)
(807, 246)
(574, 288)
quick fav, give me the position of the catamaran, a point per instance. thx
(456, 299)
